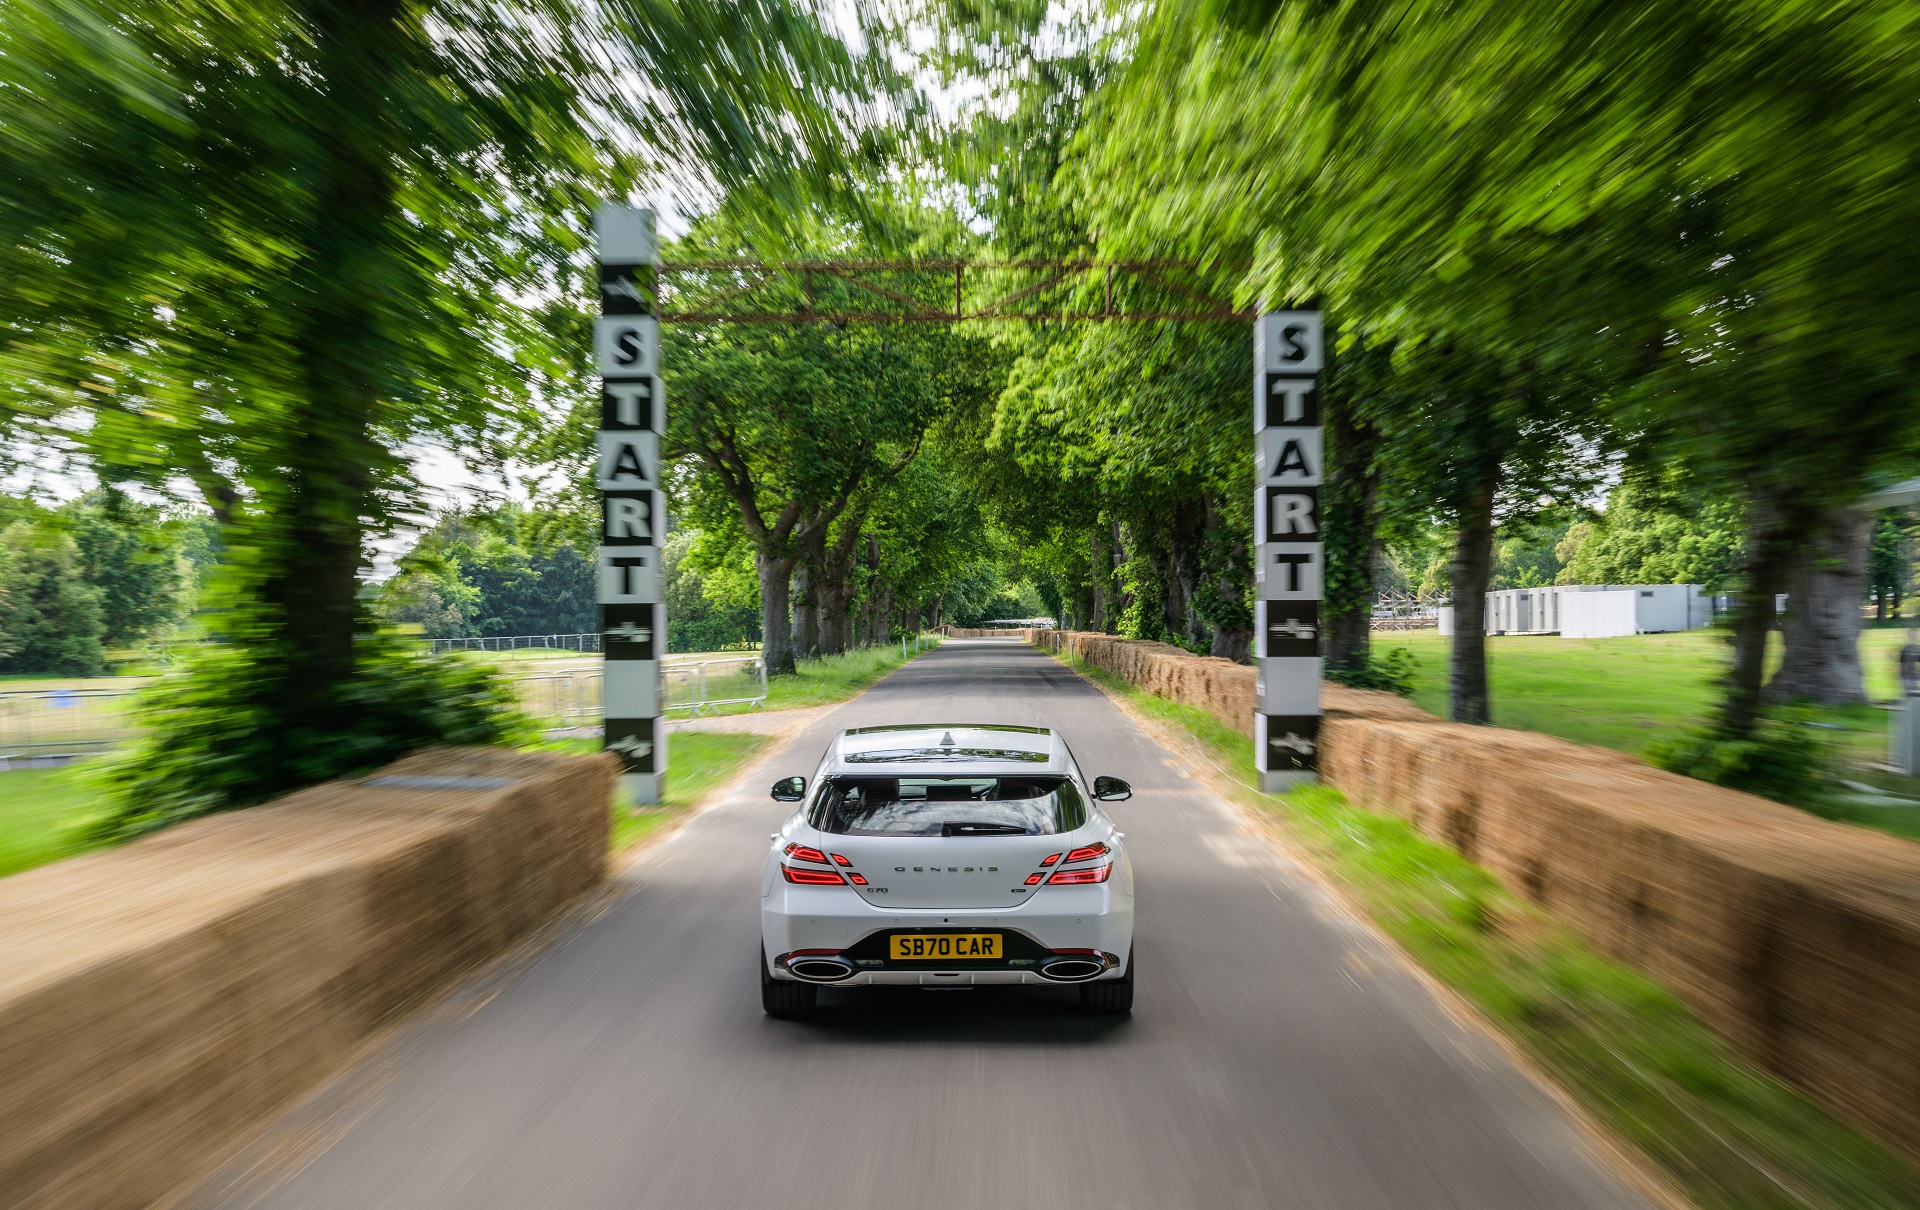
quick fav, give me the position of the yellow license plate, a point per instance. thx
(939, 947)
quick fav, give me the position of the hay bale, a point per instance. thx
(160, 999)
(1797, 939)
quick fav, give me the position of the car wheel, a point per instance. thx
(1109, 995)
(782, 999)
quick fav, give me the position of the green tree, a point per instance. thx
(431, 596)
(697, 621)
(1651, 534)
(787, 431)
(1889, 566)
(266, 245)
(1637, 202)
(493, 573)
(133, 556)
(53, 618)
(1528, 556)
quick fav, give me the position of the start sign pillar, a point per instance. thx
(633, 622)
(1290, 553)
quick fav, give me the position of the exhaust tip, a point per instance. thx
(819, 970)
(1074, 969)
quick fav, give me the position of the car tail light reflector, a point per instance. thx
(856, 880)
(813, 877)
(800, 852)
(1050, 858)
(1099, 873)
(1092, 850)
(1034, 879)
(839, 860)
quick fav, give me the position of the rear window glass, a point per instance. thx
(948, 806)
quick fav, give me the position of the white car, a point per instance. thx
(940, 856)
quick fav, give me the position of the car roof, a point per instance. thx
(947, 750)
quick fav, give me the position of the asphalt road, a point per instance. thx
(1278, 1055)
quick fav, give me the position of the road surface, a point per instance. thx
(1278, 1056)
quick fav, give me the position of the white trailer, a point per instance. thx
(1565, 609)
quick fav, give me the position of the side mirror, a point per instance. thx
(790, 789)
(1111, 789)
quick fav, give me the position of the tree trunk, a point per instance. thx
(1173, 598)
(882, 631)
(1186, 536)
(808, 573)
(1772, 538)
(1468, 698)
(1098, 557)
(1349, 504)
(832, 597)
(1120, 597)
(311, 525)
(1224, 590)
(776, 623)
(1821, 629)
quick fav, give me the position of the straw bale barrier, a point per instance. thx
(160, 999)
(1797, 939)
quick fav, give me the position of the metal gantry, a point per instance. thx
(943, 291)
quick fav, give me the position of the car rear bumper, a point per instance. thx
(946, 979)
(1091, 918)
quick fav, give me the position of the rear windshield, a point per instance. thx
(948, 806)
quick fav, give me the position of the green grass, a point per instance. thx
(697, 762)
(1724, 1133)
(43, 816)
(834, 678)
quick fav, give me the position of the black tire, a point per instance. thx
(1109, 995)
(784, 999)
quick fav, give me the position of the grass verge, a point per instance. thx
(834, 678)
(697, 762)
(1723, 1133)
(44, 816)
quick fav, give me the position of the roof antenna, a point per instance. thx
(946, 741)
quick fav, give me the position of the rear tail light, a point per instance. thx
(1034, 879)
(1050, 858)
(1092, 850)
(800, 852)
(856, 880)
(839, 860)
(814, 877)
(1099, 873)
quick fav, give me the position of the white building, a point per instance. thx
(1593, 611)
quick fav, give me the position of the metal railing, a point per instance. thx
(1406, 611)
(518, 642)
(571, 698)
(62, 724)
(704, 685)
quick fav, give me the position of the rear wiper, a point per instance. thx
(982, 829)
